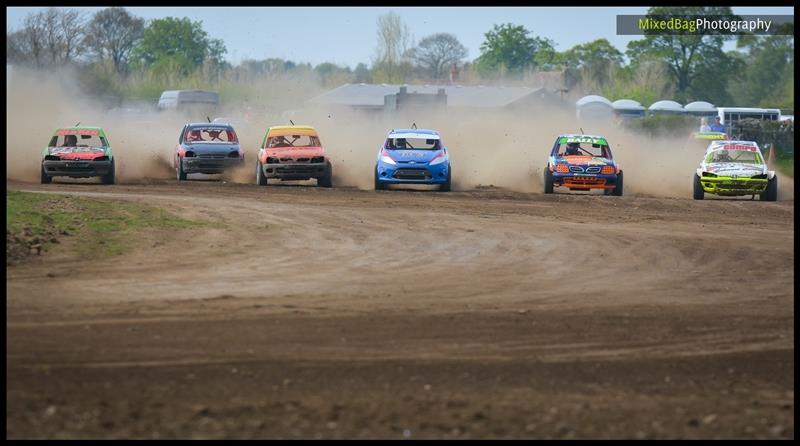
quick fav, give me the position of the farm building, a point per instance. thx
(389, 98)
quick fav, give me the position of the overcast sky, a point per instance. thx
(348, 35)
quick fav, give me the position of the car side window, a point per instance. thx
(53, 141)
(556, 145)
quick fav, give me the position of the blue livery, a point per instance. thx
(413, 156)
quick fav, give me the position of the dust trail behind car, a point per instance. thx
(487, 146)
(504, 149)
(39, 102)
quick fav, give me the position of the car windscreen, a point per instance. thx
(412, 143)
(293, 141)
(584, 149)
(210, 135)
(734, 156)
(76, 139)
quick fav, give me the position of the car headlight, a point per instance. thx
(438, 159)
(386, 158)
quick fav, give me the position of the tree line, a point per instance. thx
(115, 48)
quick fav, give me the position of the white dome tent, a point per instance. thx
(666, 107)
(594, 107)
(700, 108)
(628, 108)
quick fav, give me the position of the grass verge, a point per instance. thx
(36, 221)
(785, 166)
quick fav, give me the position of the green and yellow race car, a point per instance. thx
(78, 152)
(735, 168)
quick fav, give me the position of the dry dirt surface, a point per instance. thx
(343, 313)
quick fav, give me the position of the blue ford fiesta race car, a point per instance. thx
(413, 156)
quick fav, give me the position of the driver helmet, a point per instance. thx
(723, 154)
(572, 148)
(70, 140)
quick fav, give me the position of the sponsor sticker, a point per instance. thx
(77, 132)
(747, 147)
(582, 139)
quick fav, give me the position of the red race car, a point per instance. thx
(293, 152)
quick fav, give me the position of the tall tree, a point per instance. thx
(509, 47)
(768, 73)
(595, 53)
(179, 43)
(391, 63)
(686, 55)
(393, 39)
(112, 35)
(594, 63)
(436, 53)
(47, 38)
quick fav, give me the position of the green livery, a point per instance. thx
(582, 139)
(710, 135)
(78, 152)
(735, 168)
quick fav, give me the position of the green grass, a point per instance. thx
(785, 166)
(101, 227)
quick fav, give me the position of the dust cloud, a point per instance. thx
(505, 149)
(488, 147)
(37, 103)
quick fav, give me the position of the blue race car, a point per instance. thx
(413, 156)
(208, 148)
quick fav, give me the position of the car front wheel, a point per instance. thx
(548, 180)
(327, 180)
(618, 189)
(179, 170)
(699, 193)
(110, 177)
(445, 187)
(771, 193)
(378, 185)
(46, 179)
(261, 179)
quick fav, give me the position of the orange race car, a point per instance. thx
(582, 162)
(293, 152)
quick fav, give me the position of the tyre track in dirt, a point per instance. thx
(329, 284)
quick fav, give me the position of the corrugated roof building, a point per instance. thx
(378, 97)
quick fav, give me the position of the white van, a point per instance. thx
(189, 99)
(729, 115)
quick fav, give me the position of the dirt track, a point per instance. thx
(342, 313)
